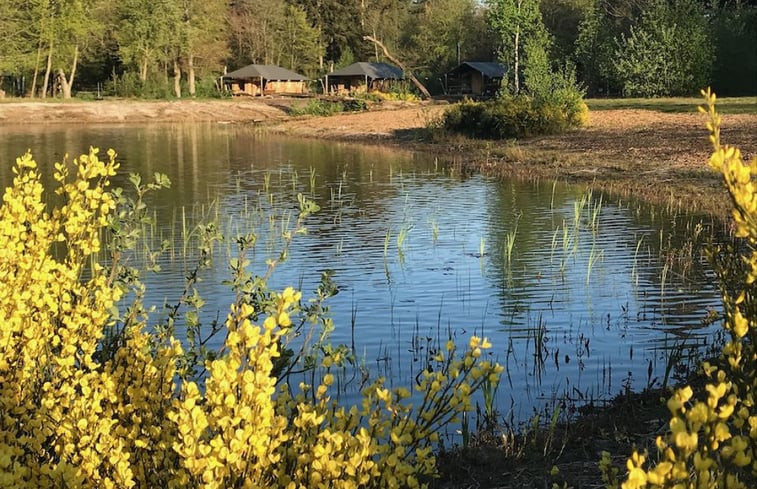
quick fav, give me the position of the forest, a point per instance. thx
(170, 48)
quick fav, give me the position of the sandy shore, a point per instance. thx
(138, 111)
(654, 155)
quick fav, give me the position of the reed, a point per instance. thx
(663, 279)
(312, 181)
(552, 198)
(594, 256)
(595, 215)
(402, 237)
(434, 230)
(510, 243)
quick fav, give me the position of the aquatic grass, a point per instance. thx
(510, 243)
(594, 256)
(663, 279)
(312, 181)
(340, 247)
(595, 215)
(267, 182)
(434, 230)
(489, 391)
(402, 236)
(634, 269)
(554, 244)
(552, 198)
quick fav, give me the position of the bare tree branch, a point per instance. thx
(394, 60)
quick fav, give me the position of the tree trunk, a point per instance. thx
(517, 48)
(176, 79)
(191, 75)
(67, 84)
(47, 71)
(36, 71)
(143, 70)
(60, 76)
(394, 60)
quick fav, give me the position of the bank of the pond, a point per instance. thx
(654, 155)
(16, 113)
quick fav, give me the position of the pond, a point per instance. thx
(582, 295)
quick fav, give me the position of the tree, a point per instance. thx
(391, 21)
(63, 31)
(338, 21)
(253, 27)
(562, 19)
(668, 53)
(13, 48)
(144, 32)
(421, 88)
(445, 34)
(735, 37)
(515, 21)
(202, 36)
(604, 22)
(271, 32)
(300, 42)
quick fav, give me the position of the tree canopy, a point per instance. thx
(160, 47)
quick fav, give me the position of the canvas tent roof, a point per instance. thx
(371, 70)
(487, 68)
(269, 72)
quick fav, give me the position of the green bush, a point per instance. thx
(129, 85)
(206, 87)
(323, 108)
(318, 107)
(516, 117)
(553, 103)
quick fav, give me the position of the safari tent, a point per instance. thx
(258, 80)
(362, 77)
(478, 78)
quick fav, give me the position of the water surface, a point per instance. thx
(581, 294)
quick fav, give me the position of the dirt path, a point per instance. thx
(653, 155)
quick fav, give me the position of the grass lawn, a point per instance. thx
(726, 105)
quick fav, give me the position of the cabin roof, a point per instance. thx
(376, 71)
(269, 72)
(487, 68)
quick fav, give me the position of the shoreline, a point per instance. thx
(658, 157)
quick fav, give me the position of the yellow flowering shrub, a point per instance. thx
(92, 399)
(713, 434)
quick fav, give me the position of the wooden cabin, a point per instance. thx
(362, 77)
(476, 78)
(257, 80)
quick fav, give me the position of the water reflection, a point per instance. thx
(580, 294)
